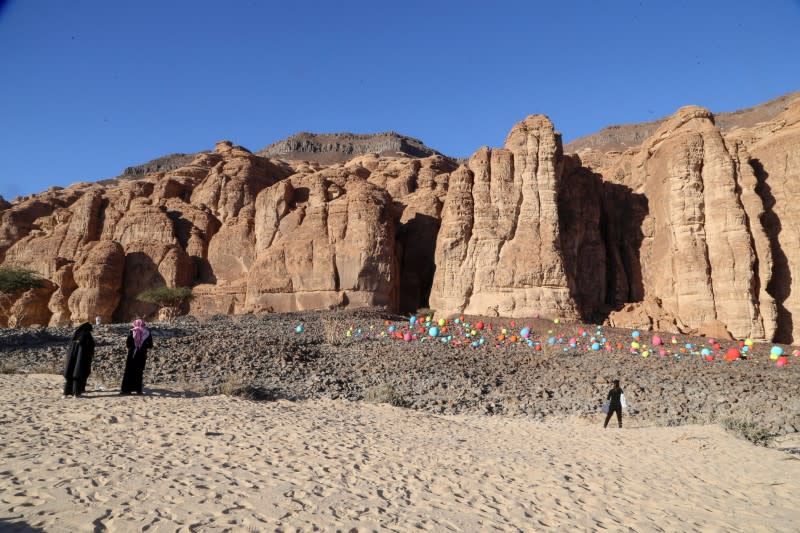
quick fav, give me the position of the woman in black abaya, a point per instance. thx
(78, 363)
(138, 342)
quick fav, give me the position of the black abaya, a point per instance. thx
(78, 362)
(134, 365)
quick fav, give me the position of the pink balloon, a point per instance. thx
(656, 341)
(407, 337)
(662, 352)
(782, 361)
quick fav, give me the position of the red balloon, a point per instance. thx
(732, 354)
(479, 325)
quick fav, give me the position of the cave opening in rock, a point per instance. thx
(416, 241)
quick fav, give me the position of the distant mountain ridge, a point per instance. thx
(330, 148)
(622, 136)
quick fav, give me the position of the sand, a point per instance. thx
(164, 462)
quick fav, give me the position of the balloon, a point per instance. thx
(635, 345)
(412, 320)
(513, 324)
(745, 349)
(392, 328)
(712, 341)
(635, 334)
(732, 354)
(674, 340)
(551, 340)
(782, 361)
(748, 342)
(645, 354)
(689, 346)
(705, 351)
(300, 328)
(573, 342)
(504, 331)
(427, 319)
(525, 332)
(407, 336)
(619, 346)
(556, 321)
(473, 332)
(662, 352)
(433, 332)
(457, 321)
(513, 338)
(479, 325)
(775, 352)
(595, 346)
(442, 322)
(709, 358)
(656, 341)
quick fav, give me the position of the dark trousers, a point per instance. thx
(611, 410)
(75, 386)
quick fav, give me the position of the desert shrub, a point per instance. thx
(747, 429)
(18, 279)
(238, 387)
(8, 367)
(383, 393)
(170, 299)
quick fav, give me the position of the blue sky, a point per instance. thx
(90, 87)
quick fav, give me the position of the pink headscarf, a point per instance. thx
(140, 332)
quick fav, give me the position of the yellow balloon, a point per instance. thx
(748, 342)
(442, 322)
(556, 321)
(635, 345)
(645, 353)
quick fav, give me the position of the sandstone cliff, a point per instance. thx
(691, 230)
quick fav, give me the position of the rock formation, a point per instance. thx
(330, 148)
(690, 230)
(499, 250)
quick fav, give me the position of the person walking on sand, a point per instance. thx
(614, 398)
(138, 342)
(78, 363)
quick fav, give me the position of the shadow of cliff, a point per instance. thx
(600, 224)
(417, 247)
(140, 274)
(780, 284)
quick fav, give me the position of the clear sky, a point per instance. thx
(90, 87)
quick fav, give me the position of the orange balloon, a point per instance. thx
(513, 338)
(501, 337)
(732, 354)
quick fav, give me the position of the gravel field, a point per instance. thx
(262, 357)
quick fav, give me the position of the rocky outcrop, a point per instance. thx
(691, 230)
(330, 148)
(98, 276)
(499, 249)
(324, 240)
(166, 163)
(624, 136)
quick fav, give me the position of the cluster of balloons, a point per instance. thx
(459, 332)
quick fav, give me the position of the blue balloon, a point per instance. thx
(595, 346)
(300, 328)
(705, 351)
(635, 334)
(745, 349)
(688, 346)
(392, 328)
(551, 341)
(412, 320)
(776, 350)
(433, 332)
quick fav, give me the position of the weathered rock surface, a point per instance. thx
(330, 148)
(499, 250)
(691, 229)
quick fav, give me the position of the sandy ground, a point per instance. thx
(164, 462)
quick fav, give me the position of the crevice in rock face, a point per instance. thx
(780, 284)
(416, 250)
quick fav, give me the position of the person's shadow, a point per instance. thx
(148, 392)
(18, 527)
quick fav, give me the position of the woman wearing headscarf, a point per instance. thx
(78, 363)
(138, 342)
